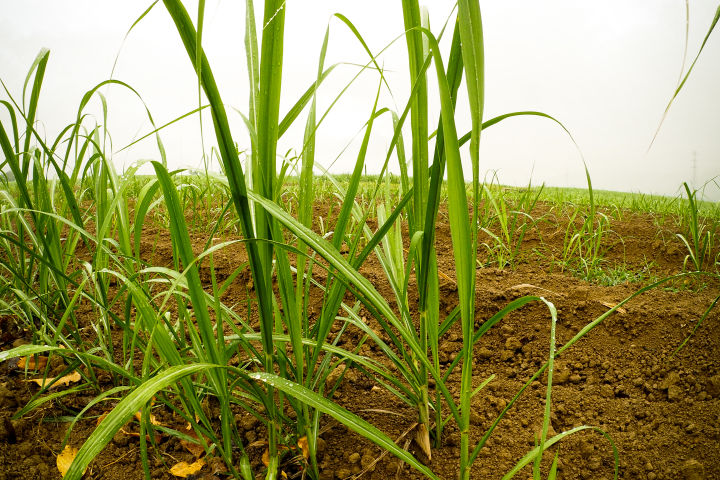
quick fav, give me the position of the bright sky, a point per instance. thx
(606, 70)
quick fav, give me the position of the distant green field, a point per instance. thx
(636, 202)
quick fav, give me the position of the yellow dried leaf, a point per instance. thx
(266, 454)
(304, 446)
(101, 418)
(32, 363)
(158, 436)
(153, 420)
(66, 458)
(62, 381)
(184, 469)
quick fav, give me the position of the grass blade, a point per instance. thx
(681, 84)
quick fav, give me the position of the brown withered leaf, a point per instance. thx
(65, 459)
(184, 469)
(61, 381)
(195, 448)
(32, 363)
(611, 306)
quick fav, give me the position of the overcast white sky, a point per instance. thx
(606, 70)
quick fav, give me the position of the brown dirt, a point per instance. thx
(662, 411)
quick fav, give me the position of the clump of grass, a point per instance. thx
(617, 275)
(585, 240)
(700, 238)
(506, 223)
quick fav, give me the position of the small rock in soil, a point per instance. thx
(674, 393)
(158, 473)
(56, 361)
(692, 470)
(44, 470)
(248, 422)
(7, 398)
(561, 376)
(587, 449)
(327, 475)
(595, 463)
(537, 433)
(354, 458)
(672, 379)
(607, 391)
(448, 347)
(713, 386)
(334, 376)
(367, 462)
(321, 446)
(120, 439)
(217, 465)
(21, 426)
(506, 355)
(343, 473)
(484, 353)
(7, 431)
(513, 344)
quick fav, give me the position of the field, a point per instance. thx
(659, 408)
(274, 321)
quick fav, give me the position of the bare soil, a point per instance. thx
(661, 410)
